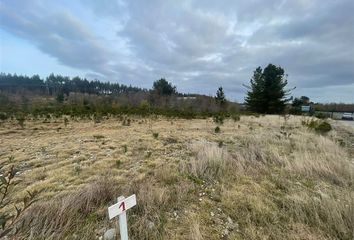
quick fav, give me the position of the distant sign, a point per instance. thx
(121, 206)
(305, 108)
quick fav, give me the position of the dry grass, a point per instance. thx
(64, 216)
(259, 178)
(209, 160)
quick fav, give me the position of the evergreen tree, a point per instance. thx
(220, 96)
(162, 87)
(266, 93)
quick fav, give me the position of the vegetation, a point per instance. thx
(220, 96)
(9, 221)
(297, 103)
(319, 126)
(76, 97)
(274, 177)
(217, 129)
(219, 119)
(279, 180)
(266, 93)
(57, 85)
(162, 87)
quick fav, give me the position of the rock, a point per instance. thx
(230, 220)
(110, 234)
(200, 199)
(212, 214)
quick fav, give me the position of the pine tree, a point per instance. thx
(162, 87)
(266, 93)
(220, 96)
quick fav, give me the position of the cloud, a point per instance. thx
(198, 45)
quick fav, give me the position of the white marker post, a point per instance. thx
(120, 209)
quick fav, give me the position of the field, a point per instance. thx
(264, 177)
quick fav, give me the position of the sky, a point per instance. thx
(198, 45)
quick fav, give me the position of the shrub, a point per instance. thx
(323, 127)
(321, 115)
(118, 163)
(126, 122)
(148, 154)
(155, 135)
(97, 118)
(8, 220)
(218, 119)
(21, 120)
(318, 126)
(236, 117)
(77, 169)
(3, 116)
(66, 121)
(125, 148)
(98, 137)
(217, 129)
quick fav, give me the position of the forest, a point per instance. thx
(62, 95)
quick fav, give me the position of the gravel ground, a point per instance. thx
(347, 123)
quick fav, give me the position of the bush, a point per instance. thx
(77, 169)
(218, 119)
(318, 126)
(236, 117)
(126, 122)
(118, 163)
(3, 116)
(155, 135)
(217, 129)
(97, 118)
(8, 221)
(125, 148)
(66, 121)
(321, 115)
(21, 120)
(323, 127)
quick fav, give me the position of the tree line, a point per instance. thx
(266, 94)
(60, 95)
(57, 84)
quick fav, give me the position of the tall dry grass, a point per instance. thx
(298, 182)
(62, 217)
(209, 161)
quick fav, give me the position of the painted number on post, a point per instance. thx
(121, 206)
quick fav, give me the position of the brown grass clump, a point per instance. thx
(209, 162)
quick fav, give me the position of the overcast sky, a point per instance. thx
(196, 45)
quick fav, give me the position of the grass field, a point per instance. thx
(259, 178)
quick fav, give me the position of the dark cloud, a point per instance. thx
(198, 45)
